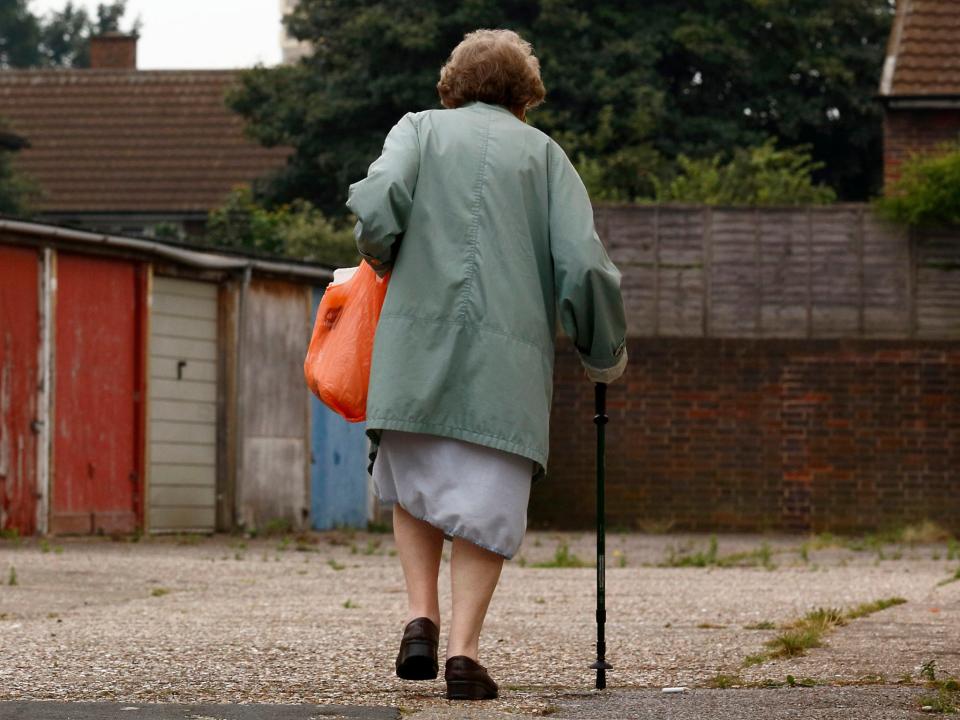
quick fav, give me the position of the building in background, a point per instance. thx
(157, 387)
(292, 48)
(128, 151)
(920, 87)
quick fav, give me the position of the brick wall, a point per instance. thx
(754, 434)
(906, 132)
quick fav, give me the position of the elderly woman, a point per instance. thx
(488, 232)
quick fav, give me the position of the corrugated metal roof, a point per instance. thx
(131, 140)
(923, 55)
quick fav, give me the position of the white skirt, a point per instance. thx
(464, 489)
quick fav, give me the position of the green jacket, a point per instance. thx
(489, 232)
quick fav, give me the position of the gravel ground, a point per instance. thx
(277, 620)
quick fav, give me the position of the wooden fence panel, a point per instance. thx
(817, 272)
(937, 285)
(886, 279)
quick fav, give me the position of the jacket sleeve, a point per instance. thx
(382, 201)
(587, 283)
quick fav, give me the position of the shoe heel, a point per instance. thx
(466, 690)
(417, 662)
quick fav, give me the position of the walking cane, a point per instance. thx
(600, 419)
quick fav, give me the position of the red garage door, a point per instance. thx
(99, 351)
(19, 337)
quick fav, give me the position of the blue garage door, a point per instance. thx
(338, 480)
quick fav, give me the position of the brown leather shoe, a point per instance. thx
(417, 659)
(468, 680)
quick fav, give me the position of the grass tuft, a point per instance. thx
(722, 681)
(808, 632)
(562, 558)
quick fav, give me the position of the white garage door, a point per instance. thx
(183, 406)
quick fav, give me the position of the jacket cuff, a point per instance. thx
(606, 375)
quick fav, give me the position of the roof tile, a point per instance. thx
(925, 48)
(131, 140)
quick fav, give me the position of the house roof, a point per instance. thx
(923, 54)
(130, 140)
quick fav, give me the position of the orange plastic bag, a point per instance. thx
(337, 366)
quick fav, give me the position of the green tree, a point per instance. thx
(61, 39)
(928, 191)
(296, 230)
(761, 175)
(15, 189)
(630, 87)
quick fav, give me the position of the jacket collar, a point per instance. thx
(480, 103)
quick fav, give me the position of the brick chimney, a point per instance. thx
(113, 51)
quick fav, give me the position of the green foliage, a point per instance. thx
(562, 558)
(60, 39)
(15, 189)
(761, 175)
(630, 87)
(297, 229)
(928, 191)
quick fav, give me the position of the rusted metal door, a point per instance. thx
(19, 338)
(97, 443)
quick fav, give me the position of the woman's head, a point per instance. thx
(492, 66)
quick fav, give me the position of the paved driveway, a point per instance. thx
(316, 621)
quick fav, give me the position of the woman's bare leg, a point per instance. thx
(474, 573)
(419, 545)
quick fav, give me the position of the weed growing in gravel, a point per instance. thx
(620, 557)
(539, 600)
(284, 544)
(953, 549)
(948, 691)
(807, 632)
(710, 626)
(277, 526)
(335, 565)
(379, 527)
(869, 608)
(749, 558)
(762, 625)
(952, 578)
(350, 604)
(11, 534)
(697, 559)
(44, 545)
(943, 702)
(159, 592)
(372, 547)
(562, 558)
(802, 682)
(12, 579)
(722, 681)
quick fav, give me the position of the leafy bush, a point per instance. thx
(928, 192)
(297, 230)
(760, 175)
